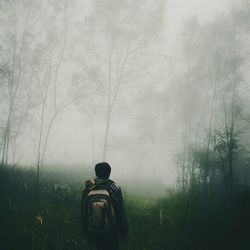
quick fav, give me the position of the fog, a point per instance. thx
(127, 82)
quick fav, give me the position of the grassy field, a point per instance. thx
(175, 221)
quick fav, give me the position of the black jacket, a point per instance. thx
(116, 199)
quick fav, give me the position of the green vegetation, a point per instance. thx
(177, 221)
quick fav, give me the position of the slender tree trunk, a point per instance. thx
(45, 144)
(11, 83)
(109, 102)
(56, 108)
(40, 144)
(231, 143)
(93, 139)
(7, 147)
(105, 147)
(14, 85)
(230, 156)
(3, 148)
(6, 139)
(112, 100)
(209, 135)
(184, 158)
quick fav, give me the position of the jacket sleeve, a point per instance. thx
(84, 212)
(122, 216)
(122, 221)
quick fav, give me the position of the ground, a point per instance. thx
(176, 221)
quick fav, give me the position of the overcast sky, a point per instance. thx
(74, 146)
(177, 12)
(181, 10)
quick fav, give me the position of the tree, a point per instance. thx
(49, 93)
(14, 72)
(117, 37)
(210, 76)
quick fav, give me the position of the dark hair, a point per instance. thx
(102, 170)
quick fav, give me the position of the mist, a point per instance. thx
(158, 89)
(61, 73)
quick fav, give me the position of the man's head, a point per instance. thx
(102, 170)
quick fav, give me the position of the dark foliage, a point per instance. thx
(178, 221)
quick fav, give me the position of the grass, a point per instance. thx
(188, 221)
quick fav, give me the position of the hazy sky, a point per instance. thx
(71, 138)
(178, 11)
(181, 10)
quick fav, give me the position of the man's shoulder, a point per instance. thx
(114, 189)
(114, 185)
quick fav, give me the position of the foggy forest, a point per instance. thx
(159, 89)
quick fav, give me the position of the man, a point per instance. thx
(103, 214)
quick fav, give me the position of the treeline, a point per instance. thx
(203, 112)
(197, 119)
(151, 104)
(215, 94)
(58, 55)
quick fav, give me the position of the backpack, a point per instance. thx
(100, 212)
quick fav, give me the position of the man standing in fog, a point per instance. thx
(103, 215)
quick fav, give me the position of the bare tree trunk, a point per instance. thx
(109, 110)
(6, 139)
(184, 156)
(106, 136)
(231, 142)
(93, 139)
(45, 144)
(56, 108)
(1, 148)
(230, 137)
(7, 147)
(209, 135)
(14, 85)
(40, 143)
(230, 157)
(112, 100)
